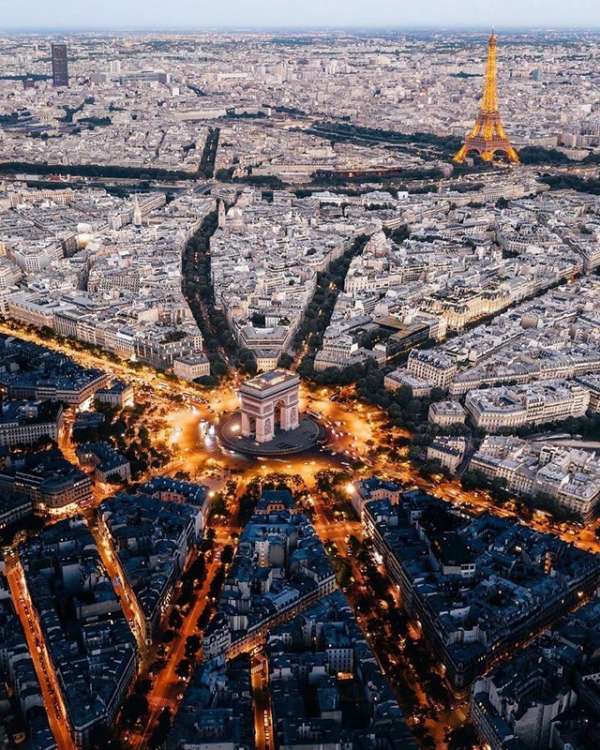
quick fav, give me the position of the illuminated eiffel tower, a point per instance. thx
(488, 135)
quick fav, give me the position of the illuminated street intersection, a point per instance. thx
(182, 422)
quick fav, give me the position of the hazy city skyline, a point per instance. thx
(271, 13)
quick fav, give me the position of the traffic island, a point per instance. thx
(284, 443)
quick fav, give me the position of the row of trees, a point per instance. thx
(123, 429)
(572, 182)
(449, 144)
(318, 313)
(94, 122)
(136, 706)
(540, 155)
(407, 660)
(269, 181)
(209, 154)
(524, 506)
(199, 292)
(96, 170)
(322, 178)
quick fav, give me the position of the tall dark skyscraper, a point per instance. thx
(60, 66)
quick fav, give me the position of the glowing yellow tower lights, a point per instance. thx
(488, 135)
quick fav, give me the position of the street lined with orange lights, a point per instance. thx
(44, 668)
(167, 687)
(263, 717)
(127, 598)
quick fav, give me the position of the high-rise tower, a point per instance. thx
(60, 65)
(487, 135)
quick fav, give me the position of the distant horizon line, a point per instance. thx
(291, 28)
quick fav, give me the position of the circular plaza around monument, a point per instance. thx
(285, 443)
(268, 422)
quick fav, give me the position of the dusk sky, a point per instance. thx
(256, 13)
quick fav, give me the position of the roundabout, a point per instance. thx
(285, 442)
(268, 423)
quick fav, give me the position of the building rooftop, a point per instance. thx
(550, 683)
(86, 633)
(271, 379)
(477, 580)
(325, 683)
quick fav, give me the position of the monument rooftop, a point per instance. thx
(267, 380)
